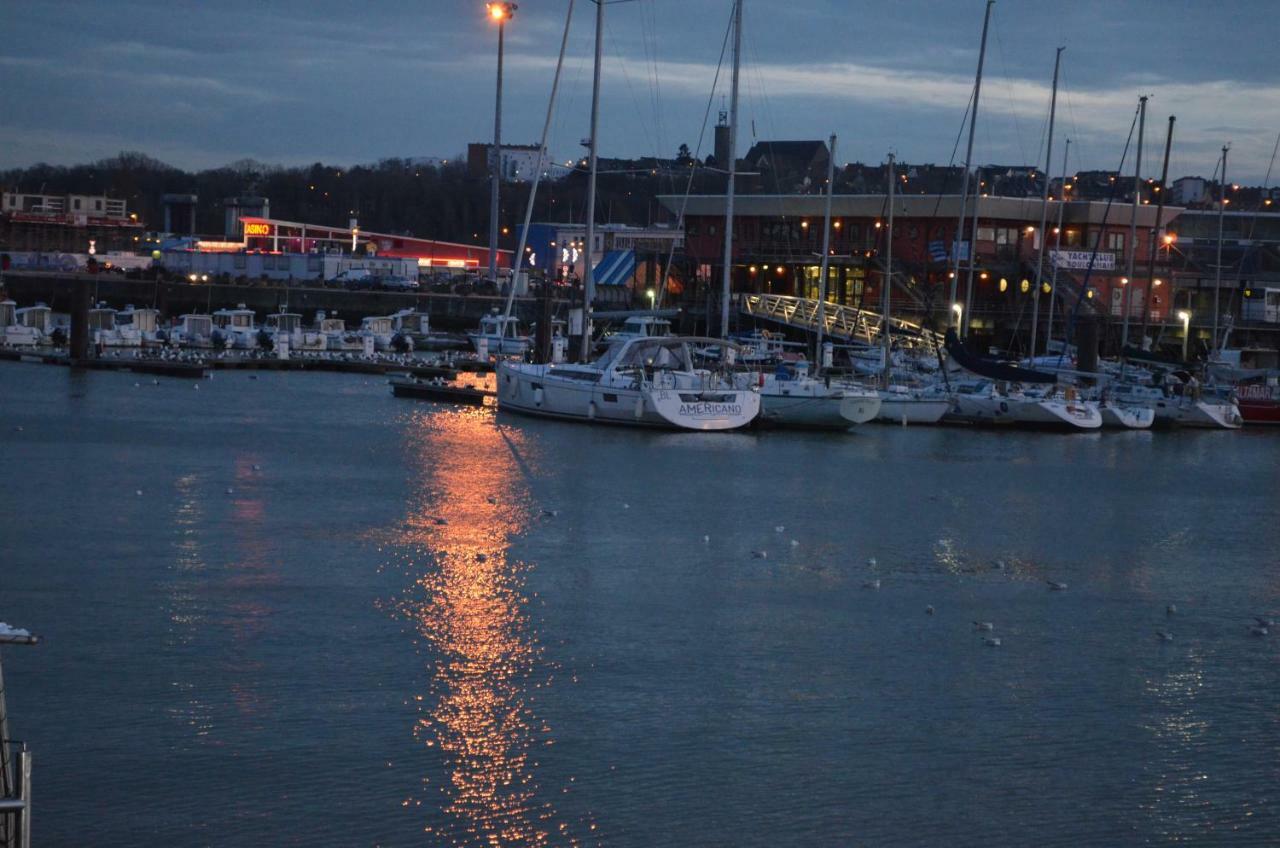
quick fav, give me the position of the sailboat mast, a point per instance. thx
(1217, 274)
(1057, 247)
(826, 254)
(968, 163)
(1155, 233)
(1044, 208)
(537, 174)
(887, 285)
(1133, 225)
(727, 276)
(588, 279)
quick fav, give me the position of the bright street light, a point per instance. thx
(499, 13)
(1186, 330)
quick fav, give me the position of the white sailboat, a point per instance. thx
(900, 404)
(649, 382)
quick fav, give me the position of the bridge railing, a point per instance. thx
(840, 322)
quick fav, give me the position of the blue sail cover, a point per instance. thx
(616, 269)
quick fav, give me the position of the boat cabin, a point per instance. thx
(233, 319)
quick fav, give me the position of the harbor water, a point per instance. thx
(289, 609)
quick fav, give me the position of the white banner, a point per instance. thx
(1079, 260)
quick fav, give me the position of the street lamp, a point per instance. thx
(959, 311)
(1185, 315)
(499, 13)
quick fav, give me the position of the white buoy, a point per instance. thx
(626, 506)
(139, 493)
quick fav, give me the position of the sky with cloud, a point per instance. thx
(200, 84)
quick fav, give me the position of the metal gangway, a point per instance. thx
(842, 323)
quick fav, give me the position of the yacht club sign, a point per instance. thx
(1080, 259)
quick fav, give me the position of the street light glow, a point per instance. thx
(501, 12)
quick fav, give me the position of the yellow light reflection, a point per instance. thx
(469, 605)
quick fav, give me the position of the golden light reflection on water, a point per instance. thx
(468, 603)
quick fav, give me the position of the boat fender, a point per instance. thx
(640, 407)
(537, 396)
(591, 410)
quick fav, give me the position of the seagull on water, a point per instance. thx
(871, 562)
(1264, 622)
(872, 584)
(1056, 586)
(795, 543)
(760, 554)
(551, 512)
(491, 499)
(1172, 609)
(706, 539)
(992, 642)
(441, 521)
(1258, 630)
(983, 625)
(779, 529)
(1164, 635)
(928, 610)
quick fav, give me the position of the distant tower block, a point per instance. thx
(237, 207)
(180, 214)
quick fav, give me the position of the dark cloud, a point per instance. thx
(292, 81)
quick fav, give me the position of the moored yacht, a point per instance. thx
(1187, 409)
(649, 382)
(235, 327)
(192, 330)
(900, 404)
(12, 333)
(1049, 407)
(789, 397)
(499, 335)
(38, 318)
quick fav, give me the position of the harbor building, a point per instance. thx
(67, 223)
(778, 242)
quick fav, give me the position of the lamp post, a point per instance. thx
(499, 13)
(1185, 315)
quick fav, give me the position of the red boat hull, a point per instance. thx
(1258, 404)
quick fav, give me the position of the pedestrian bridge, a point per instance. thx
(842, 323)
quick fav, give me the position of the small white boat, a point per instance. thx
(12, 333)
(789, 397)
(336, 335)
(901, 405)
(639, 327)
(1189, 409)
(144, 322)
(649, 382)
(192, 330)
(1054, 409)
(1117, 417)
(973, 401)
(38, 318)
(236, 328)
(107, 332)
(501, 336)
(379, 327)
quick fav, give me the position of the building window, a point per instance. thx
(97, 205)
(1115, 241)
(1006, 235)
(77, 203)
(986, 234)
